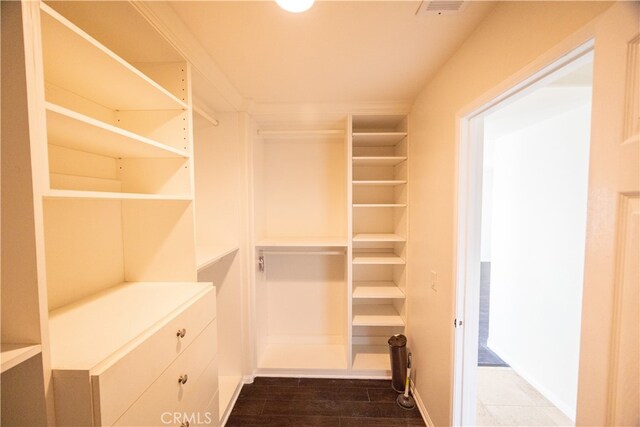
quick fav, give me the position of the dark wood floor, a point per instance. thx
(320, 402)
(486, 357)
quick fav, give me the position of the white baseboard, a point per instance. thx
(421, 408)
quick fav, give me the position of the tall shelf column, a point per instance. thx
(379, 237)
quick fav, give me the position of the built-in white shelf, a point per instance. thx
(104, 195)
(60, 181)
(67, 128)
(75, 61)
(391, 182)
(378, 160)
(376, 315)
(302, 242)
(207, 255)
(377, 139)
(14, 354)
(377, 258)
(377, 237)
(371, 358)
(387, 290)
(379, 205)
(303, 356)
(95, 329)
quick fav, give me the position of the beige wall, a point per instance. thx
(510, 38)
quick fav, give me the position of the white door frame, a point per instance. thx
(469, 209)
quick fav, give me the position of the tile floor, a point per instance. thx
(320, 402)
(505, 399)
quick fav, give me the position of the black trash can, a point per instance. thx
(398, 355)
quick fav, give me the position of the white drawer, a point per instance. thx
(119, 385)
(166, 396)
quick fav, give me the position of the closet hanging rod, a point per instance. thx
(205, 115)
(282, 252)
(306, 132)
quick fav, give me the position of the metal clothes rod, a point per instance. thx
(309, 132)
(268, 252)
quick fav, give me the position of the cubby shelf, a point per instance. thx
(304, 356)
(208, 255)
(103, 195)
(391, 182)
(376, 315)
(68, 53)
(377, 139)
(96, 328)
(371, 358)
(70, 129)
(14, 354)
(378, 160)
(377, 237)
(377, 259)
(377, 290)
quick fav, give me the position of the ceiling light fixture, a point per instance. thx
(295, 6)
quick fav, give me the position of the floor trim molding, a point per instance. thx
(421, 408)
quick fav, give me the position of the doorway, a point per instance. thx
(523, 215)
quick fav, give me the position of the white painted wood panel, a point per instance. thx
(158, 241)
(142, 365)
(166, 394)
(129, 310)
(74, 130)
(376, 315)
(371, 358)
(69, 53)
(14, 354)
(378, 160)
(384, 290)
(303, 357)
(303, 190)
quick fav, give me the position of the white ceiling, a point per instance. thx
(339, 52)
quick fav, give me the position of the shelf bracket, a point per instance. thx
(261, 263)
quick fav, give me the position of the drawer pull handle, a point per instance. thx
(181, 333)
(183, 379)
(184, 424)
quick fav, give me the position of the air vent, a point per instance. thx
(440, 7)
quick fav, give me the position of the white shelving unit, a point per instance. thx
(68, 52)
(301, 249)
(69, 129)
(14, 354)
(109, 236)
(220, 237)
(208, 255)
(377, 259)
(378, 237)
(373, 290)
(380, 182)
(24, 377)
(104, 195)
(376, 315)
(379, 227)
(378, 139)
(378, 160)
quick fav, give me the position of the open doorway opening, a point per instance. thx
(523, 218)
(534, 205)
